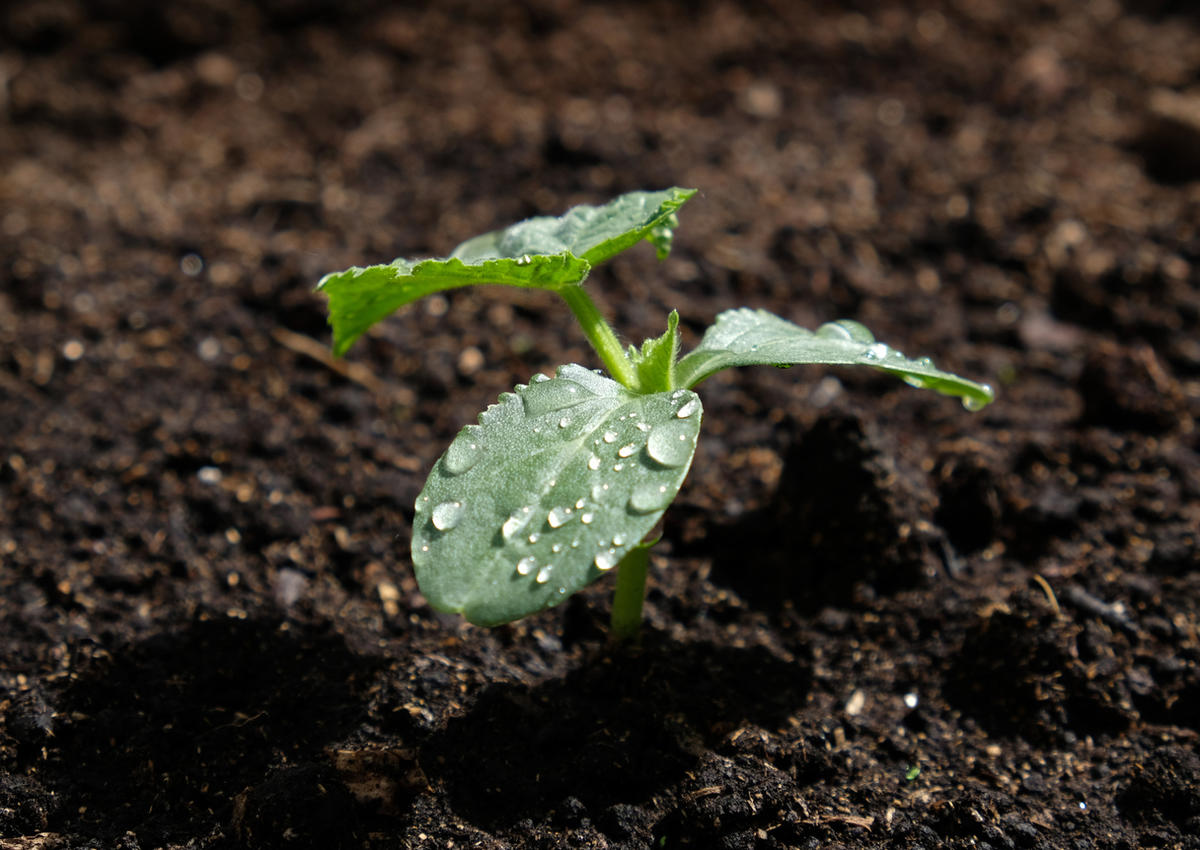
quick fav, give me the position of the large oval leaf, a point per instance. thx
(548, 492)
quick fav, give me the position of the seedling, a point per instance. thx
(561, 480)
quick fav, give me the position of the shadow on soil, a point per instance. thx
(830, 532)
(611, 733)
(160, 735)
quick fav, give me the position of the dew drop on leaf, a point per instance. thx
(558, 517)
(649, 496)
(688, 408)
(610, 436)
(626, 450)
(593, 463)
(618, 540)
(515, 522)
(543, 575)
(525, 565)
(878, 351)
(971, 403)
(446, 515)
(606, 560)
(846, 329)
(670, 443)
(463, 453)
(587, 518)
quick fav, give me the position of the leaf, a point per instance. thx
(746, 337)
(360, 297)
(591, 233)
(655, 363)
(548, 492)
(540, 253)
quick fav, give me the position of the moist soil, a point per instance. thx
(875, 619)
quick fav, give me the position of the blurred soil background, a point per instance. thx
(876, 620)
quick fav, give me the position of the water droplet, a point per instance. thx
(515, 522)
(878, 351)
(575, 543)
(587, 518)
(687, 409)
(610, 436)
(464, 452)
(524, 260)
(846, 329)
(973, 404)
(618, 540)
(617, 467)
(649, 497)
(556, 548)
(643, 427)
(593, 463)
(626, 450)
(558, 517)
(606, 560)
(832, 330)
(546, 396)
(534, 538)
(671, 443)
(543, 575)
(598, 491)
(914, 381)
(927, 362)
(446, 515)
(579, 503)
(526, 564)
(425, 548)
(564, 422)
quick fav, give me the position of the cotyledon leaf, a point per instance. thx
(746, 337)
(548, 492)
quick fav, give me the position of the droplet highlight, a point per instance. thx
(525, 565)
(543, 574)
(606, 560)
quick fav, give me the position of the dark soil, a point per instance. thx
(875, 620)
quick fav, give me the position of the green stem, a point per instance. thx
(630, 594)
(600, 335)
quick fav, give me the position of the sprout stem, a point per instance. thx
(630, 594)
(600, 335)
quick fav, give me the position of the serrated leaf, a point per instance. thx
(655, 362)
(591, 233)
(360, 297)
(540, 253)
(746, 337)
(548, 492)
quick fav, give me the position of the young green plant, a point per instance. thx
(562, 479)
